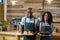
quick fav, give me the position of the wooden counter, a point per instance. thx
(18, 35)
(14, 35)
(56, 36)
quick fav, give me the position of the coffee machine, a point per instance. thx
(16, 23)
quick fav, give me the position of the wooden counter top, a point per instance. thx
(18, 33)
(12, 33)
(56, 34)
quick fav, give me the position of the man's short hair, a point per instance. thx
(29, 8)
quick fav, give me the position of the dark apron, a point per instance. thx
(29, 27)
(45, 37)
(45, 29)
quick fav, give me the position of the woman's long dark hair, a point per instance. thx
(50, 18)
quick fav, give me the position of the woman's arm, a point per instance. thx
(52, 27)
(37, 28)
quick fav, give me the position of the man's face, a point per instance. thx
(29, 14)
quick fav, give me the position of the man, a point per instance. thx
(29, 25)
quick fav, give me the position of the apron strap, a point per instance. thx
(34, 22)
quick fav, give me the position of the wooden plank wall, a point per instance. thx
(1, 12)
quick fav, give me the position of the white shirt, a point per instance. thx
(28, 20)
(39, 19)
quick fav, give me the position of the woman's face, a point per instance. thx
(46, 17)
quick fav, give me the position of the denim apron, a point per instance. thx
(45, 28)
(29, 27)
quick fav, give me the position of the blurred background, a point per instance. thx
(11, 12)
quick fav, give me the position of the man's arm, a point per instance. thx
(22, 24)
(22, 28)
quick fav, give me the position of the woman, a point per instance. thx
(46, 26)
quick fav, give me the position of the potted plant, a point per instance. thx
(4, 24)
